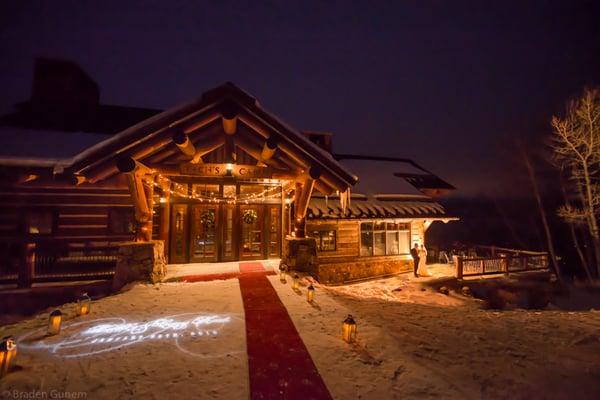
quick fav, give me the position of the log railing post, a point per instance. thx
(458, 263)
(504, 263)
(26, 266)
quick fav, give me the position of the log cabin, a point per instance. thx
(219, 178)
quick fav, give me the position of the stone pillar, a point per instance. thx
(140, 261)
(300, 254)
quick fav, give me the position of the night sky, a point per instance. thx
(445, 83)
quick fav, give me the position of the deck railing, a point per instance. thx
(46, 260)
(503, 263)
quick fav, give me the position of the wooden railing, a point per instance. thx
(504, 263)
(47, 260)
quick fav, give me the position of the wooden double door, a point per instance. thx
(224, 232)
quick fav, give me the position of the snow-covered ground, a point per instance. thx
(411, 344)
(423, 344)
(135, 364)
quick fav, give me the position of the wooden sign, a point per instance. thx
(215, 170)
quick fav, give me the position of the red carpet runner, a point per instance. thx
(251, 267)
(280, 367)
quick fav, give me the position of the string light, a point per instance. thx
(181, 191)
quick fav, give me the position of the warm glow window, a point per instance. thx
(384, 238)
(326, 240)
(39, 222)
(205, 190)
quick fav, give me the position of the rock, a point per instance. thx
(397, 289)
(140, 261)
(444, 290)
(466, 291)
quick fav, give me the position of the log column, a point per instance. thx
(301, 200)
(142, 198)
(165, 212)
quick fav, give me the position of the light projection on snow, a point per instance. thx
(191, 333)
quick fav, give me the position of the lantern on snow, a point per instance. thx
(296, 282)
(83, 305)
(310, 293)
(8, 353)
(282, 278)
(349, 329)
(54, 322)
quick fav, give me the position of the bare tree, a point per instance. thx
(538, 198)
(576, 150)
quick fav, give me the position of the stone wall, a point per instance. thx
(361, 268)
(299, 253)
(140, 261)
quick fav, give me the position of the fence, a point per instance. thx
(25, 263)
(503, 262)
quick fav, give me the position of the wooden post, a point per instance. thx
(26, 266)
(142, 197)
(458, 263)
(483, 266)
(303, 200)
(504, 263)
(165, 213)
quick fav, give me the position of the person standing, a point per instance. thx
(414, 252)
(423, 270)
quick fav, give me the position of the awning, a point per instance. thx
(319, 208)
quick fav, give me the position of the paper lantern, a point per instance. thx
(54, 322)
(296, 282)
(310, 293)
(8, 353)
(349, 329)
(83, 305)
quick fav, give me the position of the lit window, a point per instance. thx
(326, 240)
(380, 238)
(39, 222)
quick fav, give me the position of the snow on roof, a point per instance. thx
(376, 177)
(44, 144)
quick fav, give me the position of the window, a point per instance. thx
(121, 221)
(39, 222)
(384, 238)
(326, 240)
(205, 190)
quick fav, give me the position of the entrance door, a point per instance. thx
(203, 233)
(251, 243)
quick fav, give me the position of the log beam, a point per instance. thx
(229, 113)
(269, 149)
(184, 144)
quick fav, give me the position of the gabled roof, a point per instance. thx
(152, 138)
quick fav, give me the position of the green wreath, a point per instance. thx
(249, 216)
(207, 218)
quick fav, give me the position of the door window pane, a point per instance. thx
(251, 231)
(228, 232)
(274, 232)
(204, 233)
